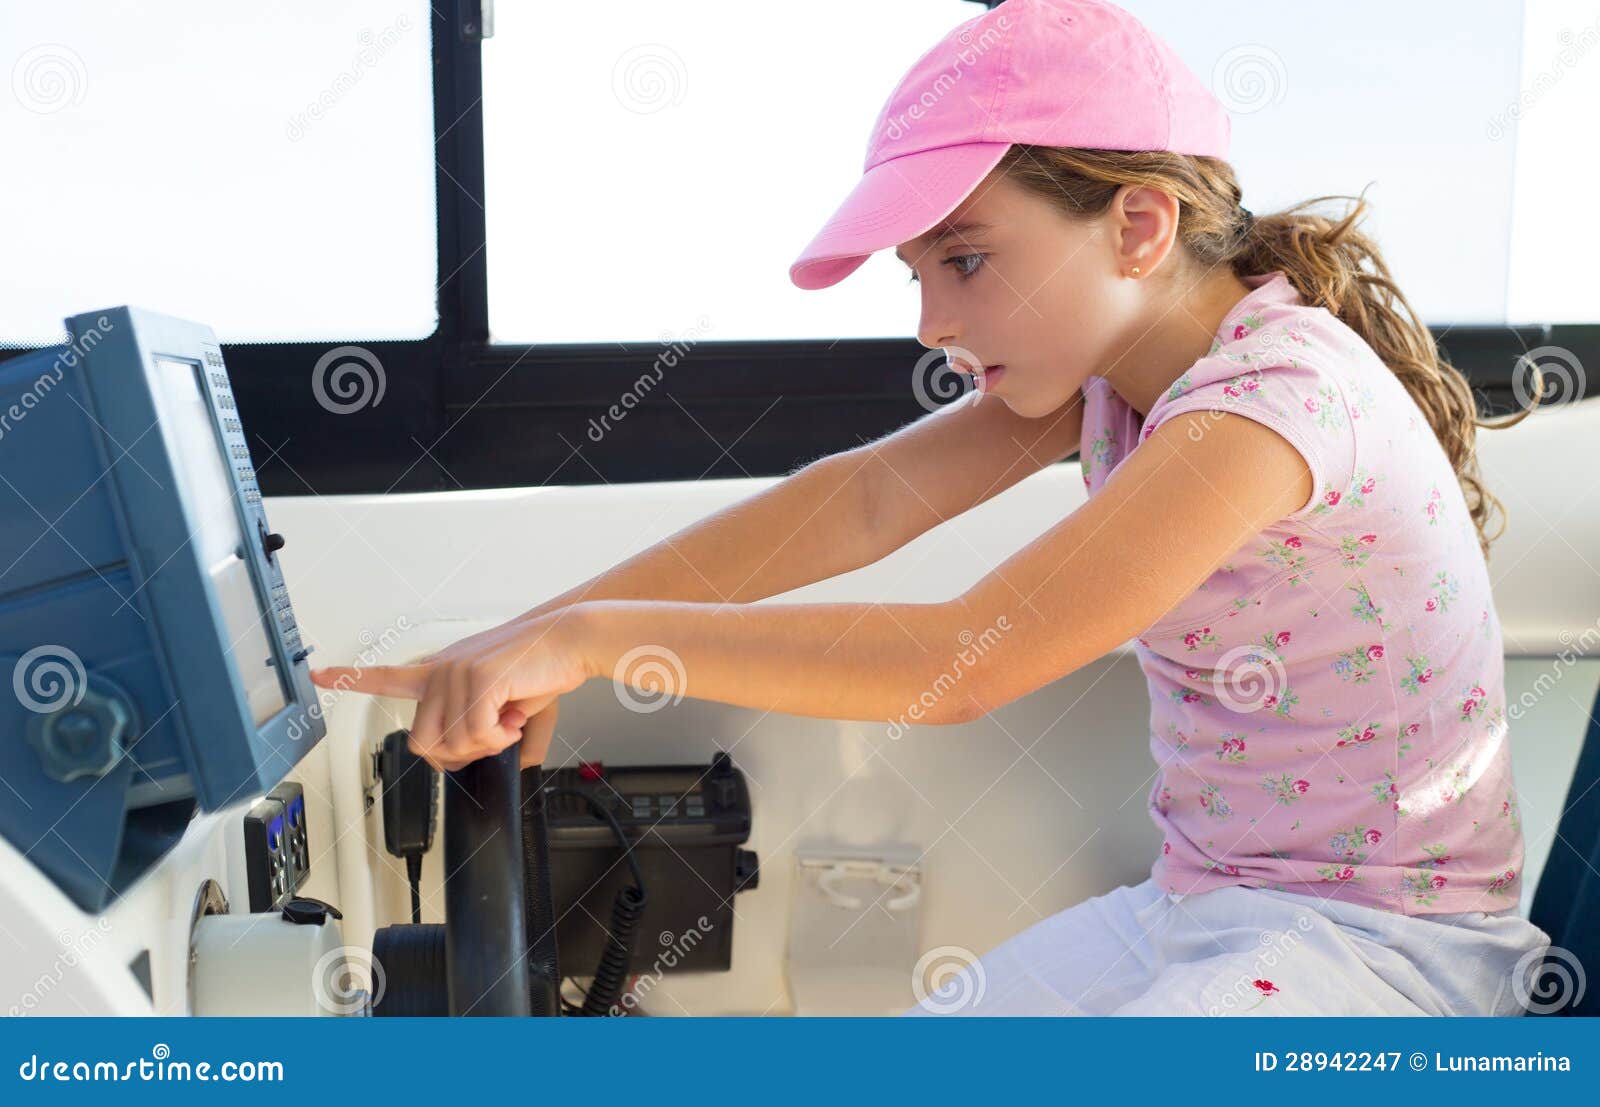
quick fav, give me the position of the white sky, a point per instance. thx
(654, 168)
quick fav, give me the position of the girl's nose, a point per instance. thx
(933, 332)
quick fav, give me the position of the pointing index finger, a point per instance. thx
(405, 681)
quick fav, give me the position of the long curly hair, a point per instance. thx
(1330, 262)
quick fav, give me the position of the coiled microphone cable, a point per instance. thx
(626, 912)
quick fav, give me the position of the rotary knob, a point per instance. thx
(86, 738)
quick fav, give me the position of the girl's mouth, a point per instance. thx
(988, 378)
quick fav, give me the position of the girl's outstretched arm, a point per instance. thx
(1173, 511)
(834, 515)
(836, 660)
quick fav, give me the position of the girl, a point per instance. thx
(1283, 511)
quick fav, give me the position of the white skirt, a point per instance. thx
(1140, 950)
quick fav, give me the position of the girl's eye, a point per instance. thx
(962, 272)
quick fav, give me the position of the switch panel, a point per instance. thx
(292, 795)
(267, 853)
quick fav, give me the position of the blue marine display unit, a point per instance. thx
(150, 663)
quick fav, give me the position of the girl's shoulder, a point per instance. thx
(1295, 369)
(1385, 493)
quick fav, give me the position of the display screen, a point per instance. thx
(207, 486)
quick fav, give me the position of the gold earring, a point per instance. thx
(1135, 270)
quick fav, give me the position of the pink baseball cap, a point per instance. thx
(1074, 73)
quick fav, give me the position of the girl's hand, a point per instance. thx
(537, 733)
(475, 643)
(480, 695)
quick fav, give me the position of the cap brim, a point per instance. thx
(894, 202)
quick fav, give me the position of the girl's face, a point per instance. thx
(1016, 283)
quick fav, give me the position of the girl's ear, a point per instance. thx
(1144, 225)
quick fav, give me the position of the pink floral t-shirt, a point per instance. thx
(1328, 709)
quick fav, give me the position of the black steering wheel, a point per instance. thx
(495, 954)
(485, 896)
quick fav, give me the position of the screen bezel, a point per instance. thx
(188, 484)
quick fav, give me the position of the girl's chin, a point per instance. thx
(1022, 403)
(1031, 407)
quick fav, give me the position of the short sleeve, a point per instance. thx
(1305, 405)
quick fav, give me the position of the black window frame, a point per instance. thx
(462, 412)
